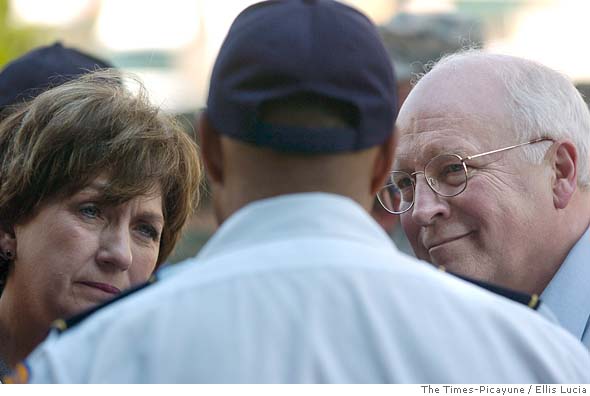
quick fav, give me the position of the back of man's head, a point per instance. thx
(302, 92)
(40, 69)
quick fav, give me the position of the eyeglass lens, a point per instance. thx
(445, 174)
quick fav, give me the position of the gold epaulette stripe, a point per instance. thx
(59, 324)
(533, 301)
(20, 375)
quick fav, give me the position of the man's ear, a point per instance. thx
(383, 163)
(565, 164)
(211, 149)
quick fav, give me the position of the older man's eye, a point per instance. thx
(453, 174)
(452, 168)
(402, 181)
(405, 182)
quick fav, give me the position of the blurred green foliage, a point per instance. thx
(14, 40)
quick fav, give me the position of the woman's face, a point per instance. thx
(77, 252)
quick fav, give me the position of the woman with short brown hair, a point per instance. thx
(95, 187)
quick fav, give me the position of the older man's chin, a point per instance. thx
(450, 254)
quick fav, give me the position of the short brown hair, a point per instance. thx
(67, 136)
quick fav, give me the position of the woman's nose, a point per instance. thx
(115, 249)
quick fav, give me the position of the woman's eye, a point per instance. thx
(90, 210)
(149, 231)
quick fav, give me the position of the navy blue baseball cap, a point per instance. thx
(43, 68)
(280, 48)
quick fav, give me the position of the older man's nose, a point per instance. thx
(428, 205)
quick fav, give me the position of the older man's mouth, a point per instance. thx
(443, 242)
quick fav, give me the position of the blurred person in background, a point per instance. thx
(493, 170)
(584, 88)
(300, 284)
(40, 69)
(95, 186)
(416, 41)
(413, 42)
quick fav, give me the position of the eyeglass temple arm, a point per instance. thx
(470, 157)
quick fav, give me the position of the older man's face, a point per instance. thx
(494, 230)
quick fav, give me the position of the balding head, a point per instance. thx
(459, 86)
(525, 99)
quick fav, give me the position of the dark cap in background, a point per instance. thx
(42, 68)
(280, 48)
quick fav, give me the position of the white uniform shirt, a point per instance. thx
(308, 288)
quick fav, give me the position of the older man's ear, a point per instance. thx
(565, 164)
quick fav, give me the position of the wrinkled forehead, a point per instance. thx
(452, 113)
(114, 191)
(430, 135)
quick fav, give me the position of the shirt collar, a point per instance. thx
(294, 216)
(568, 294)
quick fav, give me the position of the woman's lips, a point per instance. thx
(103, 286)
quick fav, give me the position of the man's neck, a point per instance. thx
(234, 201)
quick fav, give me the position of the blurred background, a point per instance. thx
(171, 44)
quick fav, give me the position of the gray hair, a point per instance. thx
(542, 103)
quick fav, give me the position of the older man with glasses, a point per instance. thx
(491, 178)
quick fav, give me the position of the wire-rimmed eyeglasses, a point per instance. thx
(445, 174)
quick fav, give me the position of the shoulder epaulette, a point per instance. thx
(530, 300)
(62, 325)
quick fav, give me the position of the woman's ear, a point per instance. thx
(7, 244)
(211, 149)
(565, 164)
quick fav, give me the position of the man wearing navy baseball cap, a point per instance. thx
(299, 284)
(40, 69)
